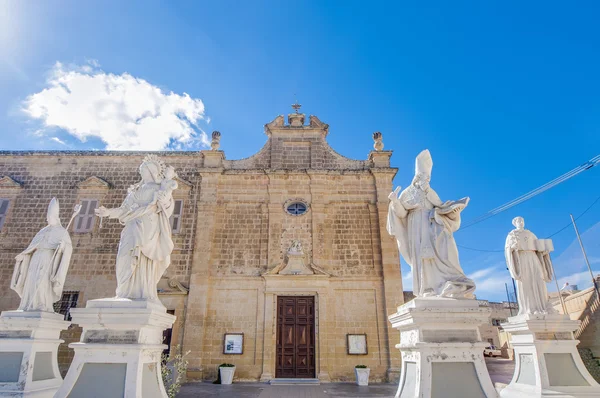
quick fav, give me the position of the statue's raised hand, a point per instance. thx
(102, 211)
(393, 196)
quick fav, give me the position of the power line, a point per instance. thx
(577, 218)
(548, 237)
(523, 198)
(479, 250)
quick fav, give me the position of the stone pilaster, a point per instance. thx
(213, 158)
(194, 329)
(380, 159)
(390, 262)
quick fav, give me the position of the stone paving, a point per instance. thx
(262, 390)
(500, 369)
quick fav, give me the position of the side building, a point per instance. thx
(285, 252)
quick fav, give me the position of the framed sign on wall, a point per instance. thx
(357, 344)
(233, 343)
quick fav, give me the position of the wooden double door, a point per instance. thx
(295, 337)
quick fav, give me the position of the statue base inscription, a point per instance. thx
(29, 343)
(119, 354)
(442, 351)
(547, 363)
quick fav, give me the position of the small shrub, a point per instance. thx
(361, 366)
(173, 362)
(227, 365)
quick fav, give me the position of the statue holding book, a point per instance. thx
(528, 260)
(423, 226)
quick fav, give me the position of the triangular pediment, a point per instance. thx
(93, 182)
(8, 183)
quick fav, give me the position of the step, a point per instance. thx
(287, 382)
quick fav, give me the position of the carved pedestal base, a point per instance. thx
(547, 363)
(28, 353)
(442, 352)
(119, 352)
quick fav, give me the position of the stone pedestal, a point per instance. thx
(547, 363)
(28, 353)
(442, 352)
(119, 354)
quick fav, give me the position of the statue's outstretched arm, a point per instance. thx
(107, 212)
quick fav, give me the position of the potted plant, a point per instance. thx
(362, 375)
(226, 371)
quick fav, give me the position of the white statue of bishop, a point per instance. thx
(40, 270)
(528, 260)
(423, 226)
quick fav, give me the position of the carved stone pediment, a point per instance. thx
(7, 182)
(93, 182)
(171, 286)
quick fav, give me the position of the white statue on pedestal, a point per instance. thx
(528, 260)
(146, 245)
(423, 225)
(40, 270)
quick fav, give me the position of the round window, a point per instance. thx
(296, 208)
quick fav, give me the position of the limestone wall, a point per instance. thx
(235, 229)
(66, 176)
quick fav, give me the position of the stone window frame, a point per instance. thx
(82, 217)
(9, 190)
(91, 188)
(182, 193)
(290, 202)
(4, 214)
(178, 217)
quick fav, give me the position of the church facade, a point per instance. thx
(282, 264)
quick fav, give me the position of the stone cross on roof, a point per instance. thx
(296, 106)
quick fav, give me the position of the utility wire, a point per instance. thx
(523, 198)
(548, 237)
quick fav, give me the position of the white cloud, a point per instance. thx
(583, 279)
(482, 273)
(125, 112)
(490, 281)
(56, 139)
(570, 265)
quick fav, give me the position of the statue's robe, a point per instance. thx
(146, 244)
(423, 227)
(531, 269)
(39, 277)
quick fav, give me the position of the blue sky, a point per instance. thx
(504, 94)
